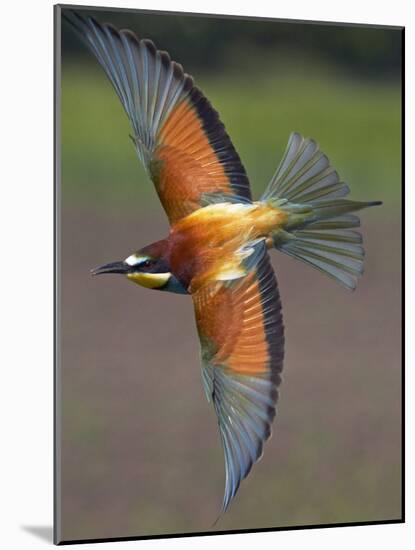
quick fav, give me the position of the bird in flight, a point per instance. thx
(217, 247)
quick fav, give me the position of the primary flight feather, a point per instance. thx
(217, 247)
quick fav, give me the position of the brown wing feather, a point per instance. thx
(242, 339)
(177, 133)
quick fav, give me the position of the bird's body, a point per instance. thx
(217, 246)
(206, 244)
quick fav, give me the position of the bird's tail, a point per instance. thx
(320, 224)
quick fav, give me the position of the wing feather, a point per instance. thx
(242, 340)
(177, 133)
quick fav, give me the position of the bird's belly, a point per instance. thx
(201, 242)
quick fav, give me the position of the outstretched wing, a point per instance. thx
(242, 339)
(177, 133)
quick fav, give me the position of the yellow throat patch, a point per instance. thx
(149, 280)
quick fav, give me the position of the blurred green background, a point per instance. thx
(140, 450)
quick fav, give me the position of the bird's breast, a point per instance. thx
(205, 239)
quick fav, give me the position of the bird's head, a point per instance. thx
(147, 268)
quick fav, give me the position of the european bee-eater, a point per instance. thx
(217, 247)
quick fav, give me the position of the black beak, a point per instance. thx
(115, 267)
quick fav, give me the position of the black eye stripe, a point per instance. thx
(146, 266)
(150, 265)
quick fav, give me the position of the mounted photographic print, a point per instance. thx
(228, 267)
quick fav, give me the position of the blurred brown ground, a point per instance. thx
(140, 450)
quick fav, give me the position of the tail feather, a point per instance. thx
(346, 221)
(304, 174)
(333, 208)
(318, 229)
(339, 267)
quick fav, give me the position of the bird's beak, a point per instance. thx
(115, 267)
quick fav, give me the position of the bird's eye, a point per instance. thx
(146, 263)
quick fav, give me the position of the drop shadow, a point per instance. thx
(44, 532)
